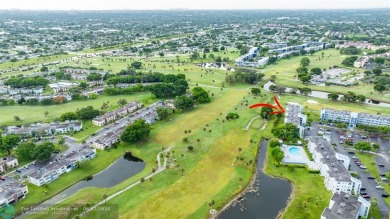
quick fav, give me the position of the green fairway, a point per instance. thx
(31, 114)
(285, 71)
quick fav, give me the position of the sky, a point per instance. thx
(189, 4)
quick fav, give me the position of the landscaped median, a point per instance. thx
(368, 160)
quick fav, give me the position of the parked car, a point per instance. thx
(353, 157)
(370, 177)
(382, 174)
(363, 193)
(18, 171)
(349, 135)
(363, 167)
(2, 178)
(385, 195)
(366, 196)
(381, 165)
(362, 189)
(384, 179)
(351, 152)
(363, 137)
(379, 187)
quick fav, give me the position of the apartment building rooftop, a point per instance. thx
(345, 206)
(335, 168)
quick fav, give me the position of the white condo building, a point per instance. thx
(295, 116)
(333, 166)
(346, 206)
(353, 118)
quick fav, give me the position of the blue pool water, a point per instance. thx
(294, 151)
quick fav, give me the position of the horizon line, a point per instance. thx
(194, 9)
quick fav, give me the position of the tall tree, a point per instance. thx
(138, 131)
(8, 142)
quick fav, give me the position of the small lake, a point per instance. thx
(268, 196)
(123, 168)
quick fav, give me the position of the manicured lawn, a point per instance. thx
(285, 71)
(34, 61)
(88, 129)
(31, 114)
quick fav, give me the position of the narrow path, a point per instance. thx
(250, 122)
(161, 167)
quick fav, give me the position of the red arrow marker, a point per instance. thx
(279, 108)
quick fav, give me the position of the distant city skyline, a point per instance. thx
(190, 4)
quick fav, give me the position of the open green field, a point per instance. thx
(33, 61)
(285, 71)
(194, 73)
(31, 114)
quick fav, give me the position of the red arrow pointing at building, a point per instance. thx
(279, 109)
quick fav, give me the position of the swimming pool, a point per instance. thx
(294, 151)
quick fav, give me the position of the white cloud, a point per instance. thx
(191, 4)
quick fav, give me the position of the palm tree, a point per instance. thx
(104, 197)
(239, 149)
(185, 131)
(210, 132)
(153, 170)
(142, 180)
(198, 140)
(182, 171)
(182, 155)
(204, 132)
(173, 153)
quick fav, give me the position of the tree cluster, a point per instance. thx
(138, 131)
(31, 151)
(27, 82)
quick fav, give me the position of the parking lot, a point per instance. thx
(380, 158)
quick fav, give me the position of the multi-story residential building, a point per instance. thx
(114, 115)
(346, 206)
(106, 141)
(333, 166)
(13, 91)
(11, 192)
(62, 86)
(295, 116)
(43, 129)
(353, 118)
(361, 62)
(8, 162)
(53, 170)
(275, 45)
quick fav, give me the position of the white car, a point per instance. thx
(379, 187)
(363, 167)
